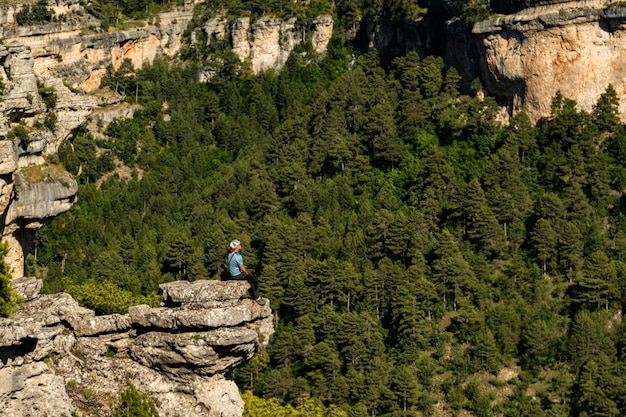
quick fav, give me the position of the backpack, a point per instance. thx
(225, 272)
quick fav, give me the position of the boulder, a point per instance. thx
(27, 287)
(197, 318)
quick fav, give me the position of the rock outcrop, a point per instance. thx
(31, 206)
(578, 48)
(59, 358)
(71, 50)
(36, 115)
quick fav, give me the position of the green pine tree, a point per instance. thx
(9, 300)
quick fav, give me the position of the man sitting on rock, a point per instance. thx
(238, 270)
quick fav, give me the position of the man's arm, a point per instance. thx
(243, 269)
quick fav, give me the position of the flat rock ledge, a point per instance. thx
(205, 294)
(58, 358)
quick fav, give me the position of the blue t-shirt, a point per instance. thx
(234, 260)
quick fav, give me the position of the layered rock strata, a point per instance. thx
(578, 48)
(59, 358)
(74, 51)
(32, 127)
(69, 51)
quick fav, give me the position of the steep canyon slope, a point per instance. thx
(67, 59)
(53, 348)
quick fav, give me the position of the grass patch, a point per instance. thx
(34, 174)
(88, 394)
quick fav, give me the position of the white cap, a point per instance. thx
(234, 244)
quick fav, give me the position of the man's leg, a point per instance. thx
(254, 287)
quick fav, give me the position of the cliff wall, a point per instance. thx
(268, 42)
(575, 47)
(73, 51)
(32, 189)
(60, 359)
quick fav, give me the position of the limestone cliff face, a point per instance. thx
(578, 48)
(72, 51)
(268, 42)
(31, 206)
(53, 352)
(32, 191)
(525, 56)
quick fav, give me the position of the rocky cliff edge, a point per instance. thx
(58, 358)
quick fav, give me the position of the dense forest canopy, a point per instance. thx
(421, 256)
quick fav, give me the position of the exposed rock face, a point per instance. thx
(31, 206)
(268, 42)
(578, 48)
(29, 201)
(322, 32)
(21, 98)
(508, 6)
(72, 110)
(71, 51)
(53, 352)
(68, 51)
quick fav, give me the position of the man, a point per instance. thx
(238, 270)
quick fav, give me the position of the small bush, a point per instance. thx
(476, 10)
(78, 353)
(34, 13)
(19, 133)
(50, 100)
(88, 394)
(50, 121)
(133, 403)
(48, 95)
(108, 298)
